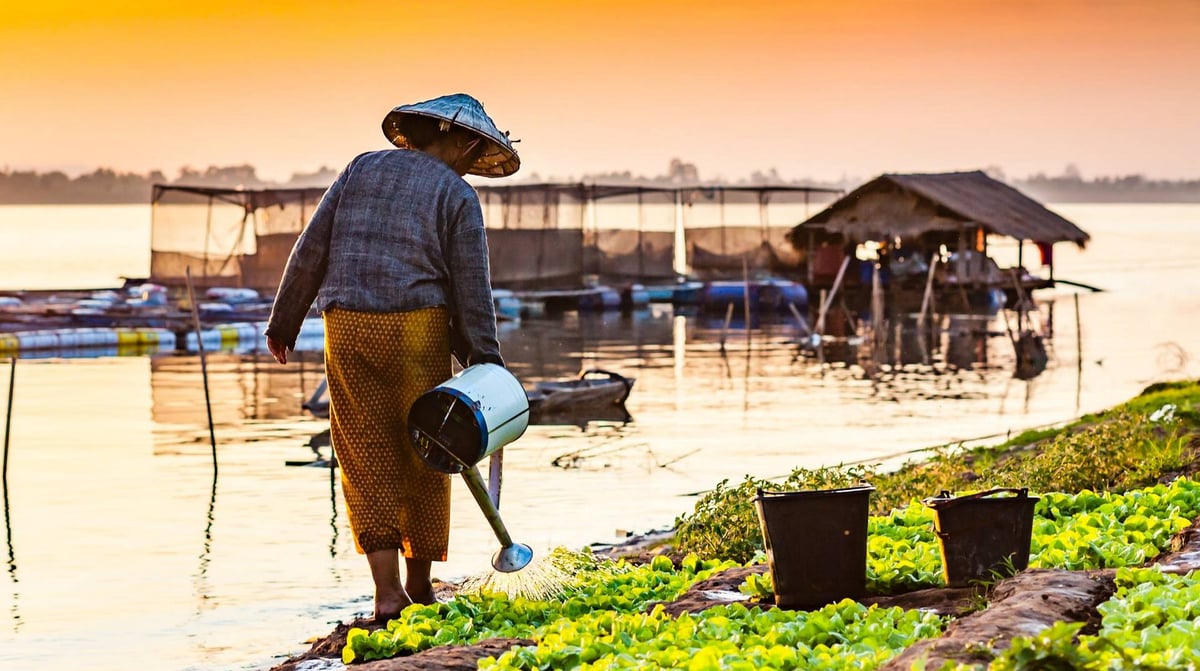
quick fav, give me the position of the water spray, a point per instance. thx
(465, 419)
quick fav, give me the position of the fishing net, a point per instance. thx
(227, 237)
(540, 236)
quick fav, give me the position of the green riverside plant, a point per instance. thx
(1148, 439)
(724, 523)
(844, 635)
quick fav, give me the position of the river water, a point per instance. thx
(123, 546)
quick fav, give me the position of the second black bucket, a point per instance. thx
(979, 533)
(816, 543)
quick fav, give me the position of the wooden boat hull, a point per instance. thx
(598, 395)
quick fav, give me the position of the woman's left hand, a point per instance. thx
(278, 349)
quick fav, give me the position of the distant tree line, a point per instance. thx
(1127, 189)
(105, 185)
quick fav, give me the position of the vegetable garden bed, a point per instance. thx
(1088, 600)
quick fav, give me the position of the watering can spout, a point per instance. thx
(511, 556)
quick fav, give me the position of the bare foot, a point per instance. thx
(421, 593)
(389, 608)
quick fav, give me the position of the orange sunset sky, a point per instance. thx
(814, 89)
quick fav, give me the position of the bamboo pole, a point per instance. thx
(746, 299)
(12, 379)
(1020, 300)
(1011, 337)
(927, 297)
(799, 318)
(212, 436)
(1078, 336)
(725, 326)
(1078, 355)
(12, 557)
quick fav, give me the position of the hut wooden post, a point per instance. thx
(808, 259)
(878, 330)
(820, 330)
(961, 270)
(898, 343)
(827, 299)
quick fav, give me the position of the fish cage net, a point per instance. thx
(633, 237)
(540, 236)
(534, 234)
(559, 236)
(729, 232)
(226, 237)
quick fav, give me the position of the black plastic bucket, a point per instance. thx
(816, 543)
(980, 532)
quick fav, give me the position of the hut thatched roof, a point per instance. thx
(911, 205)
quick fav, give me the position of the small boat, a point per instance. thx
(596, 395)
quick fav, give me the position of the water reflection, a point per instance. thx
(8, 534)
(904, 360)
(14, 610)
(316, 442)
(333, 514)
(672, 355)
(246, 390)
(203, 592)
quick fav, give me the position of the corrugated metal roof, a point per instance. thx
(909, 205)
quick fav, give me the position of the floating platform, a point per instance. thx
(15, 342)
(245, 336)
(589, 299)
(679, 293)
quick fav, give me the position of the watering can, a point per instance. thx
(464, 420)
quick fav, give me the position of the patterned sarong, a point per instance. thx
(377, 364)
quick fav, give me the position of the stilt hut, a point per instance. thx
(923, 233)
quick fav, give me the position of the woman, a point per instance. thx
(396, 259)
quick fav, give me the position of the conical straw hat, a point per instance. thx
(498, 160)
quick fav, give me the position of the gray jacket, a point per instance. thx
(397, 231)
